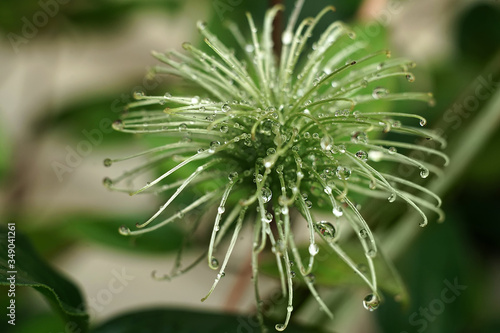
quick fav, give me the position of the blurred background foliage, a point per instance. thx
(78, 71)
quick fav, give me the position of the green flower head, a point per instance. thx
(269, 135)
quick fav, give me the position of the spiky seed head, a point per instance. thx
(276, 134)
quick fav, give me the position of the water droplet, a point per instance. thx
(123, 230)
(287, 37)
(226, 108)
(214, 262)
(271, 151)
(315, 136)
(195, 100)
(117, 125)
(379, 92)
(267, 194)
(221, 210)
(224, 129)
(107, 162)
(326, 142)
(213, 146)
(328, 190)
(268, 218)
(392, 150)
(423, 121)
(259, 177)
(410, 77)
(202, 25)
(167, 95)
(307, 135)
(107, 182)
(182, 127)
(392, 197)
(424, 173)
(327, 229)
(249, 48)
(201, 150)
(343, 173)
(371, 253)
(232, 176)
(371, 302)
(362, 155)
(359, 137)
(337, 211)
(138, 94)
(300, 175)
(308, 204)
(311, 277)
(363, 233)
(293, 274)
(313, 249)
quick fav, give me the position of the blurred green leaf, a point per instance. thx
(32, 271)
(104, 231)
(184, 321)
(89, 119)
(15, 16)
(49, 321)
(479, 32)
(441, 257)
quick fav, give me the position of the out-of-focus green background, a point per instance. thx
(68, 67)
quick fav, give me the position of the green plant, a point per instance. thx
(276, 134)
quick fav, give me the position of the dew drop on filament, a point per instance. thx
(371, 302)
(267, 194)
(362, 155)
(287, 37)
(107, 182)
(117, 125)
(215, 263)
(424, 173)
(123, 230)
(313, 249)
(337, 211)
(326, 229)
(326, 142)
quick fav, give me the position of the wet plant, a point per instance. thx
(270, 135)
